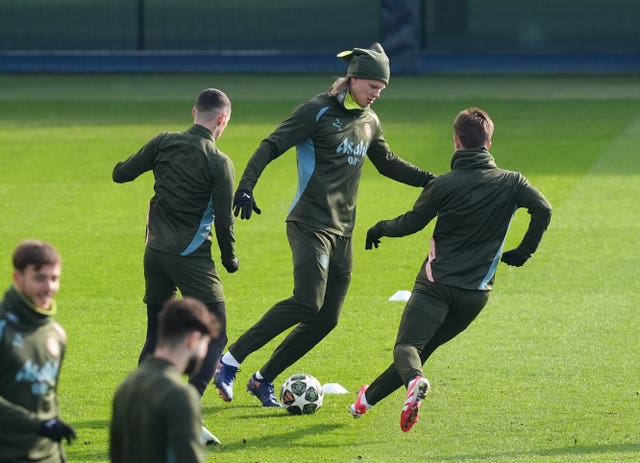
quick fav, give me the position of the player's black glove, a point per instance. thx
(244, 204)
(56, 429)
(373, 236)
(515, 257)
(231, 265)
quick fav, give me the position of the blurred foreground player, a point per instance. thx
(156, 414)
(32, 347)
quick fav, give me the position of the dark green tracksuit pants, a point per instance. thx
(322, 264)
(433, 315)
(195, 277)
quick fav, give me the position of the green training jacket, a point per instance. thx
(474, 203)
(331, 145)
(31, 351)
(193, 188)
(156, 417)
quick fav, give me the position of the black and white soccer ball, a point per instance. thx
(301, 394)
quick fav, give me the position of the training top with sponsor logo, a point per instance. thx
(32, 346)
(193, 189)
(331, 143)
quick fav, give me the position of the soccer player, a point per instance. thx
(193, 189)
(156, 415)
(474, 204)
(32, 347)
(333, 134)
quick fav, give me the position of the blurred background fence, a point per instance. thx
(421, 36)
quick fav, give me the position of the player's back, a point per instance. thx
(475, 203)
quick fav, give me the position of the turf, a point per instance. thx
(547, 373)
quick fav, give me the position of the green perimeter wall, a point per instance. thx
(295, 25)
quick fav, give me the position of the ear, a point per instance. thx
(193, 339)
(457, 144)
(194, 111)
(488, 144)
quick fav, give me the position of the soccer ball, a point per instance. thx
(301, 394)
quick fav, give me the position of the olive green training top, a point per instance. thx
(156, 417)
(475, 203)
(331, 145)
(193, 188)
(32, 347)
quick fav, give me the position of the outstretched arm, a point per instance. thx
(390, 165)
(295, 128)
(136, 164)
(406, 224)
(400, 170)
(244, 203)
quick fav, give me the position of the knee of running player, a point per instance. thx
(309, 306)
(329, 317)
(406, 359)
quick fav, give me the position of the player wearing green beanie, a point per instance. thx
(333, 134)
(367, 63)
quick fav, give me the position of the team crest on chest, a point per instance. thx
(367, 130)
(53, 346)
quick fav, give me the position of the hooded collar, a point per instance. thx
(201, 131)
(476, 158)
(350, 103)
(346, 100)
(24, 310)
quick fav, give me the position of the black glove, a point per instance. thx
(56, 429)
(515, 257)
(231, 265)
(373, 236)
(244, 204)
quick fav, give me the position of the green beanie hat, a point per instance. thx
(371, 63)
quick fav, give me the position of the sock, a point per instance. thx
(230, 360)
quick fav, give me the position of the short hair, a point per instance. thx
(36, 253)
(212, 100)
(180, 317)
(474, 127)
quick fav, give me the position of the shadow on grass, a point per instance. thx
(560, 451)
(262, 413)
(296, 437)
(86, 456)
(83, 449)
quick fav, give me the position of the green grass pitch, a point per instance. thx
(547, 373)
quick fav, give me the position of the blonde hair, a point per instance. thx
(339, 85)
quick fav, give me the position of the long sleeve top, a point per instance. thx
(331, 144)
(32, 347)
(474, 204)
(193, 189)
